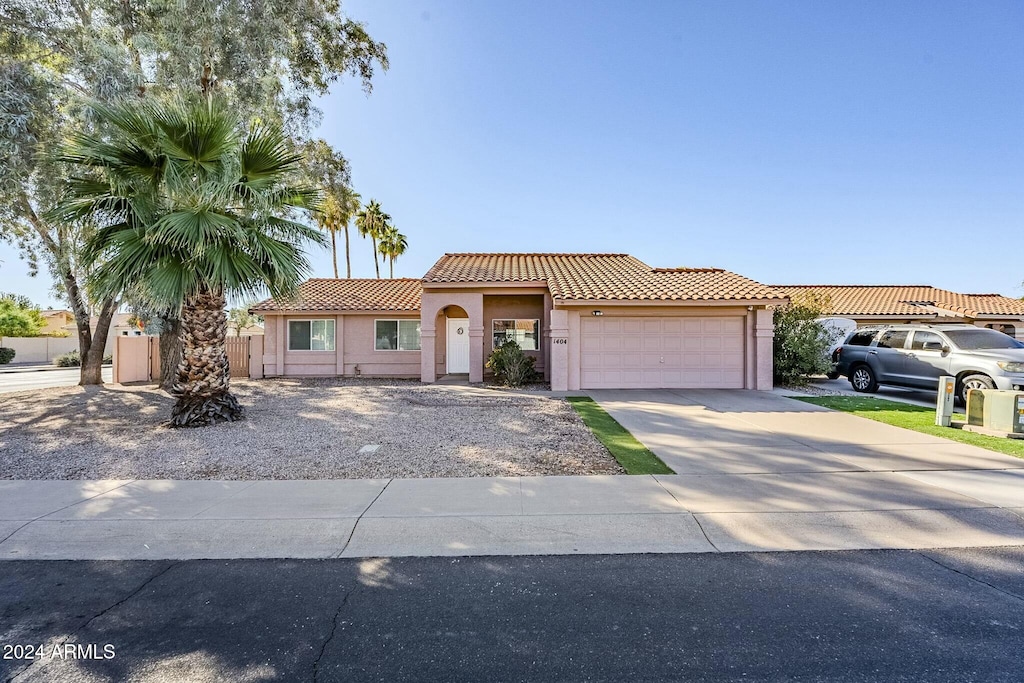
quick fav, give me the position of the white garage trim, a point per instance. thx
(662, 352)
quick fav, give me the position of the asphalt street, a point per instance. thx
(45, 379)
(837, 616)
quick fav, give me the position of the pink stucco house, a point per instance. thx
(593, 321)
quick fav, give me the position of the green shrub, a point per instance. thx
(801, 342)
(68, 360)
(511, 367)
(71, 359)
(6, 355)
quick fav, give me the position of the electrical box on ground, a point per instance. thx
(996, 410)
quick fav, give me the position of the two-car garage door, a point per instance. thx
(661, 353)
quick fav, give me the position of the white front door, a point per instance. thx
(458, 345)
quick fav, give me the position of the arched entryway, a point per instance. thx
(453, 337)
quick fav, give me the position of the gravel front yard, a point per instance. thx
(297, 429)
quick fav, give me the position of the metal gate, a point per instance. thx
(238, 356)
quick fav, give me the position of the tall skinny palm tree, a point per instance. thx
(370, 223)
(195, 209)
(392, 245)
(348, 202)
(329, 172)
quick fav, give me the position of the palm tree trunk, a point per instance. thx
(202, 386)
(170, 350)
(376, 263)
(334, 253)
(348, 255)
(391, 263)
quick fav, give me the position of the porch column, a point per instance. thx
(428, 337)
(545, 335)
(764, 339)
(559, 352)
(476, 350)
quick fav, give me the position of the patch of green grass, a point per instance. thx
(634, 457)
(917, 418)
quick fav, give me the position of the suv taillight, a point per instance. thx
(837, 354)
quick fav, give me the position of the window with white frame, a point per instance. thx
(396, 335)
(310, 335)
(526, 333)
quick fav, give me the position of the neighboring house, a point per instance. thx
(592, 321)
(57, 322)
(873, 304)
(245, 331)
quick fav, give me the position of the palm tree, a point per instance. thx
(329, 171)
(392, 245)
(371, 222)
(348, 204)
(194, 209)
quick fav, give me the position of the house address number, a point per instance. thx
(559, 341)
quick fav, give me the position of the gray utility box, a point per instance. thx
(999, 411)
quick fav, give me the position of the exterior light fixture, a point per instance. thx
(596, 313)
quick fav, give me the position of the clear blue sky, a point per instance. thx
(792, 142)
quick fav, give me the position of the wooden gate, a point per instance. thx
(238, 356)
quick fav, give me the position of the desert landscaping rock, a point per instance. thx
(296, 429)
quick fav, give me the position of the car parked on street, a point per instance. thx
(916, 356)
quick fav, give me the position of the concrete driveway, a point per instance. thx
(761, 470)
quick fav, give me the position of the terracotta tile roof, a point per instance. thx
(909, 300)
(329, 294)
(599, 277)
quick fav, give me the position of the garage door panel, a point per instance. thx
(632, 343)
(674, 352)
(732, 326)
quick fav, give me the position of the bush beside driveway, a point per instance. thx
(297, 429)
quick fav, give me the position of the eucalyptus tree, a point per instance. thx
(194, 210)
(392, 245)
(371, 222)
(270, 59)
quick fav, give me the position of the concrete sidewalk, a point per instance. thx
(828, 510)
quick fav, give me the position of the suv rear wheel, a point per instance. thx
(862, 378)
(978, 381)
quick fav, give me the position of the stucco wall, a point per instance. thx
(354, 349)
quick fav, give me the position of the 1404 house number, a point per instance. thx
(559, 341)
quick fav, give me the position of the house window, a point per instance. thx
(310, 335)
(1005, 329)
(522, 332)
(396, 335)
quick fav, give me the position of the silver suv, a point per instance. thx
(917, 355)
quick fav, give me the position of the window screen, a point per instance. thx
(310, 335)
(396, 335)
(523, 332)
